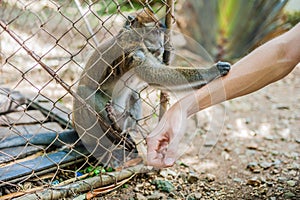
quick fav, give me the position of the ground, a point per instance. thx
(256, 155)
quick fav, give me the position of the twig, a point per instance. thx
(85, 185)
(106, 189)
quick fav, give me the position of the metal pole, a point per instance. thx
(164, 97)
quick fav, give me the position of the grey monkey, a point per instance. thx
(118, 69)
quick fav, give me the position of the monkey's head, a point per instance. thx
(148, 27)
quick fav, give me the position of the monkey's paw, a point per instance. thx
(223, 67)
(136, 58)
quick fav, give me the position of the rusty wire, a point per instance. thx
(44, 46)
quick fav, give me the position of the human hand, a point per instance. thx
(163, 141)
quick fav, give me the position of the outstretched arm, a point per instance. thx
(176, 78)
(267, 64)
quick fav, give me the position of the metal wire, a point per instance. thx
(44, 49)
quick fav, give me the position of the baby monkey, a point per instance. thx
(116, 72)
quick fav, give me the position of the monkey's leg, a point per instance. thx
(98, 101)
(117, 134)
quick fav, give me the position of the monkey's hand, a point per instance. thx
(223, 67)
(136, 58)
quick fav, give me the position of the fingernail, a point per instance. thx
(169, 161)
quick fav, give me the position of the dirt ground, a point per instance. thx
(255, 155)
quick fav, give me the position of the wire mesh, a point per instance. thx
(44, 50)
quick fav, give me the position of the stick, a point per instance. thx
(84, 185)
(164, 97)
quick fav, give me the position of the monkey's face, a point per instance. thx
(153, 38)
(150, 32)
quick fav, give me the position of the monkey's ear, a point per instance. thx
(130, 21)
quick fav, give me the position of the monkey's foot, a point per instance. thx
(223, 67)
(111, 115)
(116, 134)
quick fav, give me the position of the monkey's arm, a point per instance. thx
(156, 73)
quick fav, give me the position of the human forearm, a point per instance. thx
(268, 63)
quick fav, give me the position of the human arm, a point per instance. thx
(266, 64)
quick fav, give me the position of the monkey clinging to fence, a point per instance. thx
(115, 73)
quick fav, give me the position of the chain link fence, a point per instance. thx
(63, 132)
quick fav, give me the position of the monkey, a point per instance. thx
(116, 72)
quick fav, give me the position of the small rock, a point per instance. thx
(269, 137)
(262, 179)
(250, 152)
(265, 165)
(293, 173)
(182, 175)
(275, 171)
(289, 195)
(297, 140)
(210, 177)
(140, 196)
(136, 189)
(269, 183)
(272, 198)
(291, 183)
(233, 167)
(279, 189)
(254, 181)
(227, 147)
(253, 166)
(295, 155)
(276, 162)
(193, 177)
(147, 184)
(197, 195)
(166, 172)
(225, 155)
(210, 143)
(282, 107)
(253, 146)
(156, 196)
(275, 153)
(294, 166)
(281, 179)
(238, 180)
(164, 186)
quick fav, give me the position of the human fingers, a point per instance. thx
(157, 142)
(171, 153)
(173, 150)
